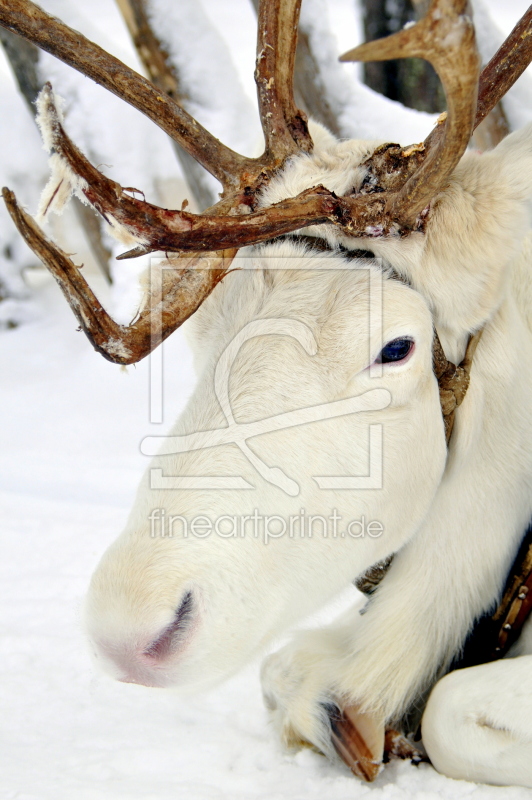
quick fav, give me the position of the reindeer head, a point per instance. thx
(221, 552)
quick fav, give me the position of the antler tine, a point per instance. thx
(152, 228)
(31, 22)
(284, 125)
(446, 38)
(159, 317)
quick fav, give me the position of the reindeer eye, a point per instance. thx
(396, 350)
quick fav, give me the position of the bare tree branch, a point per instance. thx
(28, 20)
(162, 73)
(492, 130)
(310, 88)
(92, 228)
(24, 58)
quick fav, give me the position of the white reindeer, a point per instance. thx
(169, 605)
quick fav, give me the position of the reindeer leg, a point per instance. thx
(478, 723)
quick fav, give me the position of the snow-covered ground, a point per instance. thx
(70, 429)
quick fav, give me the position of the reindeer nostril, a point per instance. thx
(173, 634)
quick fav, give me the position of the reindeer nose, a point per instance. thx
(151, 664)
(173, 635)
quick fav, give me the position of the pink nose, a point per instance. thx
(152, 665)
(136, 671)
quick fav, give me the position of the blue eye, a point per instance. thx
(396, 350)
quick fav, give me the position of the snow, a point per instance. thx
(218, 100)
(69, 465)
(15, 166)
(362, 113)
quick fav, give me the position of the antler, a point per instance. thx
(164, 311)
(414, 175)
(50, 34)
(446, 38)
(285, 127)
(153, 228)
(506, 66)
(403, 180)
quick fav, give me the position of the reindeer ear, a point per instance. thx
(323, 139)
(475, 233)
(513, 160)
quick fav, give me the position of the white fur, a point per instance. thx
(477, 723)
(453, 519)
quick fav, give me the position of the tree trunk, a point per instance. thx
(411, 81)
